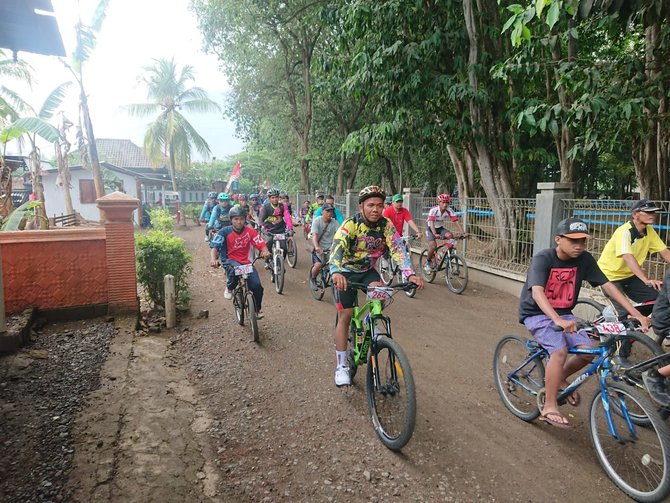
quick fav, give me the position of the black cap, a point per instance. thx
(327, 207)
(572, 228)
(644, 205)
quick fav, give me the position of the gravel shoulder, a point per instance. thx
(201, 413)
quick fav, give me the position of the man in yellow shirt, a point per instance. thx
(626, 251)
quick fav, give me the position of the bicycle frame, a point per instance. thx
(601, 365)
(365, 326)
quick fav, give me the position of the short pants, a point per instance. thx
(345, 299)
(545, 332)
(442, 231)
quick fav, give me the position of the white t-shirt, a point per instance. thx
(438, 217)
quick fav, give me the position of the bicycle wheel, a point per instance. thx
(279, 271)
(238, 304)
(638, 458)
(429, 276)
(321, 288)
(391, 393)
(253, 320)
(518, 381)
(588, 309)
(456, 274)
(386, 269)
(291, 252)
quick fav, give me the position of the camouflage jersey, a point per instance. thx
(357, 246)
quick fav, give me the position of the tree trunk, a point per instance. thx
(6, 206)
(564, 139)
(92, 146)
(339, 188)
(64, 173)
(388, 172)
(38, 187)
(351, 180)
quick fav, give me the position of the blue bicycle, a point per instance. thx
(631, 440)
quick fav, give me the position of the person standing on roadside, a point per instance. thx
(626, 251)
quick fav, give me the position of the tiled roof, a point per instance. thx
(122, 153)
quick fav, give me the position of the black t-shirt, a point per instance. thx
(561, 279)
(660, 320)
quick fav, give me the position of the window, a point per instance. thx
(87, 191)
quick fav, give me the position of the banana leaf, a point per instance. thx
(14, 220)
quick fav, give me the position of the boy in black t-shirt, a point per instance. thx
(551, 290)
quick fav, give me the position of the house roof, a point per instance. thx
(30, 26)
(125, 154)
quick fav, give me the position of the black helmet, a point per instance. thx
(272, 192)
(236, 211)
(371, 191)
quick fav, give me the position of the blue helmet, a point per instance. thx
(212, 195)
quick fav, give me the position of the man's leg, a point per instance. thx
(254, 284)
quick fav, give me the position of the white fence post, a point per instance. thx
(170, 302)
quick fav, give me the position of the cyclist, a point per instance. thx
(551, 290)
(315, 206)
(626, 251)
(397, 214)
(233, 243)
(283, 197)
(275, 219)
(254, 207)
(330, 200)
(206, 212)
(323, 230)
(219, 217)
(357, 245)
(303, 210)
(435, 226)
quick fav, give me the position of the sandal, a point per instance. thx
(574, 399)
(554, 419)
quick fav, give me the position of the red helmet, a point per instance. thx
(443, 198)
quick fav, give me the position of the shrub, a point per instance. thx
(161, 220)
(192, 211)
(160, 253)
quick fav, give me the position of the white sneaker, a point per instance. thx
(227, 294)
(206, 239)
(342, 377)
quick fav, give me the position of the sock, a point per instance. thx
(341, 357)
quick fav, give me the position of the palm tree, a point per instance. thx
(170, 134)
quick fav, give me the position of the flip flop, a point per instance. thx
(573, 399)
(547, 418)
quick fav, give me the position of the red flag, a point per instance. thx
(235, 175)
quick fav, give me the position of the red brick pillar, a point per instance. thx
(120, 245)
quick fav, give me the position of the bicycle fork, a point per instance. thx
(622, 407)
(380, 325)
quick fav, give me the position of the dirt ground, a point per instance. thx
(201, 413)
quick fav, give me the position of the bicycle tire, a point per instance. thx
(588, 309)
(638, 462)
(279, 270)
(636, 347)
(520, 397)
(253, 320)
(291, 252)
(456, 274)
(428, 276)
(321, 289)
(386, 270)
(397, 391)
(238, 304)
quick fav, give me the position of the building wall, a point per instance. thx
(55, 199)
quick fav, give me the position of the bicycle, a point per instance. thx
(388, 269)
(291, 251)
(278, 267)
(446, 259)
(594, 311)
(631, 440)
(323, 279)
(243, 299)
(389, 382)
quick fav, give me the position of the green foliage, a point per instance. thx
(192, 211)
(15, 219)
(161, 219)
(160, 253)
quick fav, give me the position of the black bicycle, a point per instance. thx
(243, 299)
(323, 279)
(446, 259)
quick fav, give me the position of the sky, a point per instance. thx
(134, 33)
